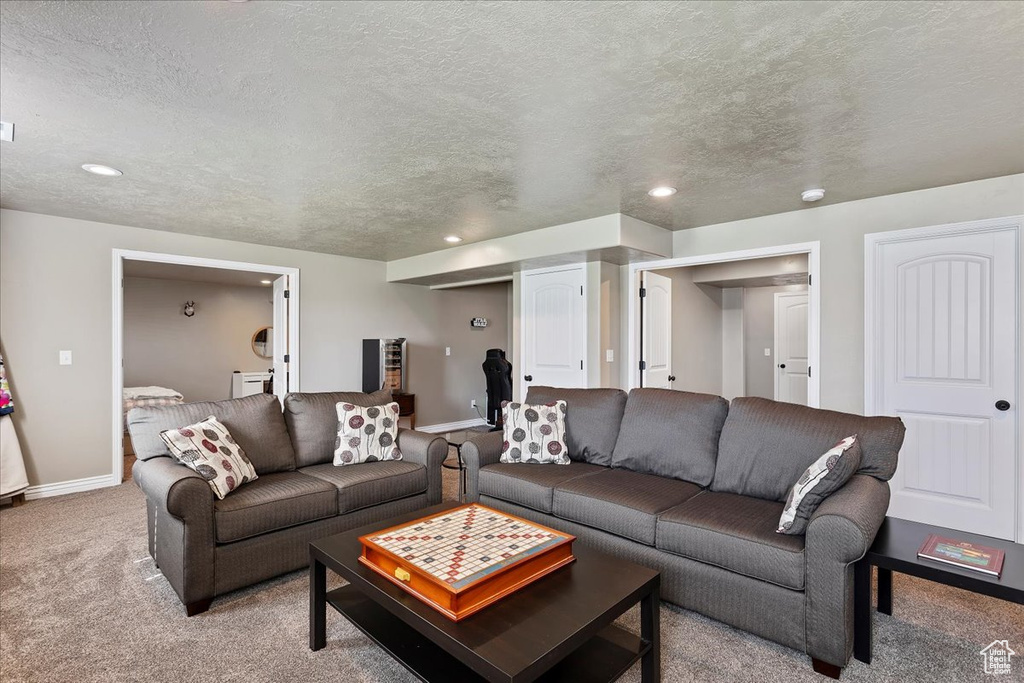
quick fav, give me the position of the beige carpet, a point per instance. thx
(81, 601)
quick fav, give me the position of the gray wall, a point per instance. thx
(758, 335)
(196, 355)
(56, 293)
(696, 333)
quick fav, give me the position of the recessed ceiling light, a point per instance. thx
(812, 195)
(452, 239)
(100, 169)
(266, 282)
(662, 191)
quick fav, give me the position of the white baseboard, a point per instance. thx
(451, 426)
(74, 486)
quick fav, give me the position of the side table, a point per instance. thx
(895, 549)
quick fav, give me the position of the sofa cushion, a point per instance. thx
(735, 533)
(366, 434)
(371, 483)
(766, 445)
(272, 502)
(312, 421)
(208, 449)
(591, 421)
(530, 485)
(620, 502)
(533, 433)
(255, 422)
(825, 476)
(671, 434)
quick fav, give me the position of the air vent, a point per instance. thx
(6, 131)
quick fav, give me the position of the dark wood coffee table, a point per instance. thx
(558, 628)
(895, 549)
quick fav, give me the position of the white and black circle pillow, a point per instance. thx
(534, 433)
(366, 434)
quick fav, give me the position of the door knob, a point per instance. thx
(782, 365)
(528, 378)
(1002, 405)
(671, 378)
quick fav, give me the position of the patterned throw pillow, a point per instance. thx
(826, 475)
(534, 433)
(366, 434)
(207, 448)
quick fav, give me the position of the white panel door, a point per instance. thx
(281, 337)
(656, 331)
(947, 316)
(554, 328)
(791, 347)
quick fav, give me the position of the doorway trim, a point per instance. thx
(813, 251)
(873, 242)
(119, 256)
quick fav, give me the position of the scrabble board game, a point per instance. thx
(464, 559)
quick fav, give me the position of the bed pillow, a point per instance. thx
(534, 433)
(208, 448)
(366, 434)
(825, 475)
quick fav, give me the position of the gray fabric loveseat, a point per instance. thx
(693, 486)
(207, 547)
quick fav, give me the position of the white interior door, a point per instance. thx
(791, 347)
(656, 331)
(946, 321)
(282, 299)
(554, 328)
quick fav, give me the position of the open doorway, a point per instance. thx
(737, 324)
(189, 329)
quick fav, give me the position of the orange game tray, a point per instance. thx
(466, 558)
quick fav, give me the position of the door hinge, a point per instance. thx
(643, 292)
(581, 290)
(581, 365)
(287, 358)
(287, 294)
(643, 365)
(808, 370)
(808, 280)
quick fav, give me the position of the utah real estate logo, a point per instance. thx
(997, 657)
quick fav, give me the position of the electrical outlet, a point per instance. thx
(447, 350)
(472, 403)
(768, 353)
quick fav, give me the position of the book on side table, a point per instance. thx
(980, 558)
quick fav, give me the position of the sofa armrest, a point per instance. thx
(478, 452)
(429, 450)
(176, 489)
(839, 533)
(181, 515)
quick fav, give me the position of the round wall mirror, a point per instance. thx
(263, 342)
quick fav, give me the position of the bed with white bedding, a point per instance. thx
(136, 397)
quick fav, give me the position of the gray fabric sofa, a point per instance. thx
(693, 486)
(207, 547)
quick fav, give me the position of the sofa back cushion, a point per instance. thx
(255, 423)
(671, 434)
(592, 420)
(766, 445)
(312, 421)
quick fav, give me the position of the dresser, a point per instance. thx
(250, 383)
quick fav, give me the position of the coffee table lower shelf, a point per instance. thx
(605, 657)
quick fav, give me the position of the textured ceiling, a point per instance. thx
(374, 129)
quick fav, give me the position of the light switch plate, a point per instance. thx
(65, 358)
